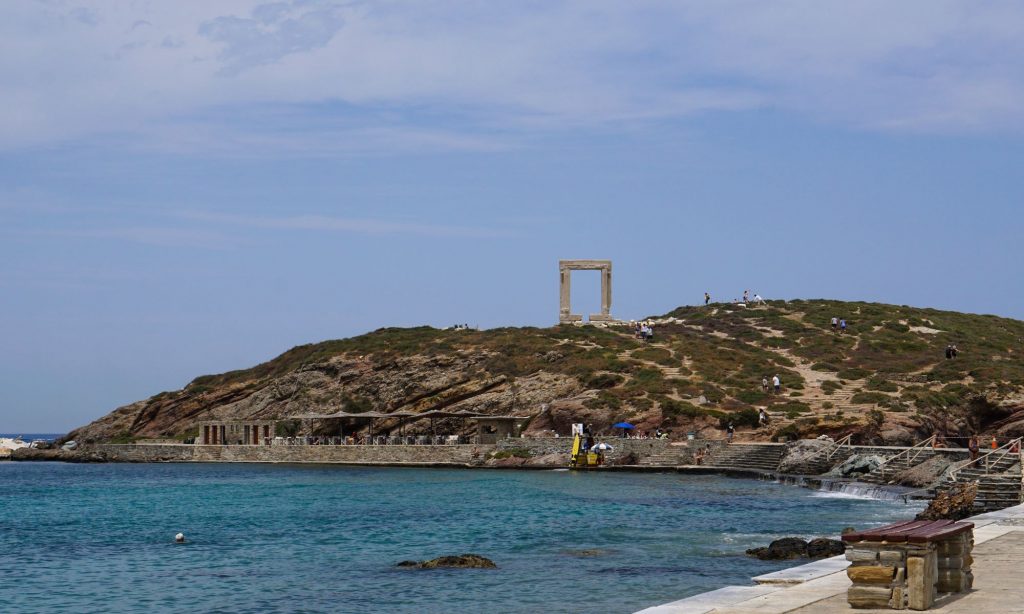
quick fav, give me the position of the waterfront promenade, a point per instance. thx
(820, 587)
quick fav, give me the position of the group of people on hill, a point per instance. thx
(758, 300)
(951, 351)
(776, 384)
(643, 330)
(838, 325)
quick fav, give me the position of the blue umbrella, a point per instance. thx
(623, 425)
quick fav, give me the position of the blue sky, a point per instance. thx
(188, 188)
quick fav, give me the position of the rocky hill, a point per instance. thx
(885, 380)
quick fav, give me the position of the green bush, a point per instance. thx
(604, 380)
(881, 385)
(870, 397)
(824, 366)
(830, 386)
(751, 397)
(743, 417)
(853, 373)
(513, 452)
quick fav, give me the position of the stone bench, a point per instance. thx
(907, 564)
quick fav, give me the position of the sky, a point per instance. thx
(194, 187)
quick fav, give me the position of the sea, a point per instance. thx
(318, 538)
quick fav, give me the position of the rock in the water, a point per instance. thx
(953, 504)
(856, 465)
(781, 549)
(462, 561)
(823, 547)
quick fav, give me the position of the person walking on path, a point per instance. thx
(777, 383)
(972, 447)
(842, 326)
(954, 350)
(835, 324)
(949, 351)
(707, 299)
(729, 431)
(764, 384)
(746, 295)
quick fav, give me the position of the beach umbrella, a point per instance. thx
(603, 446)
(623, 425)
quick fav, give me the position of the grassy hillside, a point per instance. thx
(887, 373)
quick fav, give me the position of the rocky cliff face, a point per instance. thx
(886, 380)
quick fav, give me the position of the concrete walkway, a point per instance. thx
(820, 587)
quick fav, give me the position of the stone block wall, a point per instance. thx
(903, 575)
(356, 455)
(543, 446)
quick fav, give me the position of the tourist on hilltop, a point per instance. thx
(758, 300)
(746, 295)
(835, 324)
(777, 383)
(707, 298)
(842, 326)
(729, 431)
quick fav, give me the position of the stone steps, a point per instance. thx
(762, 457)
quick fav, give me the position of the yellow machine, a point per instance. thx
(581, 459)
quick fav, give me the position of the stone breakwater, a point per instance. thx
(460, 455)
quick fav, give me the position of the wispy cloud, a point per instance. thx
(472, 73)
(325, 223)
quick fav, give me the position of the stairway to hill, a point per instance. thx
(823, 462)
(757, 456)
(675, 455)
(999, 484)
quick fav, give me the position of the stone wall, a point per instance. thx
(543, 446)
(356, 455)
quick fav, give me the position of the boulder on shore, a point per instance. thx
(796, 548)
(462, 561)
(923, 474)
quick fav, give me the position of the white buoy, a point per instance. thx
(179, 538)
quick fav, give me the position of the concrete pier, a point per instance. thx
(820, 587)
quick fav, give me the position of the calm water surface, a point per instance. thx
(287, 538)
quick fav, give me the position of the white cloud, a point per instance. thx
(482, 70)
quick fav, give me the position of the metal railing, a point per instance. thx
(838, 445)
(911, 453)
(991, 458)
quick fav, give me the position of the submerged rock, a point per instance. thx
(461, 561)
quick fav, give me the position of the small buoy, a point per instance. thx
(179, 538)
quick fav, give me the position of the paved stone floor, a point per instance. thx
(820, 588)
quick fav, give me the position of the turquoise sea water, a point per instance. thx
(288, 538)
